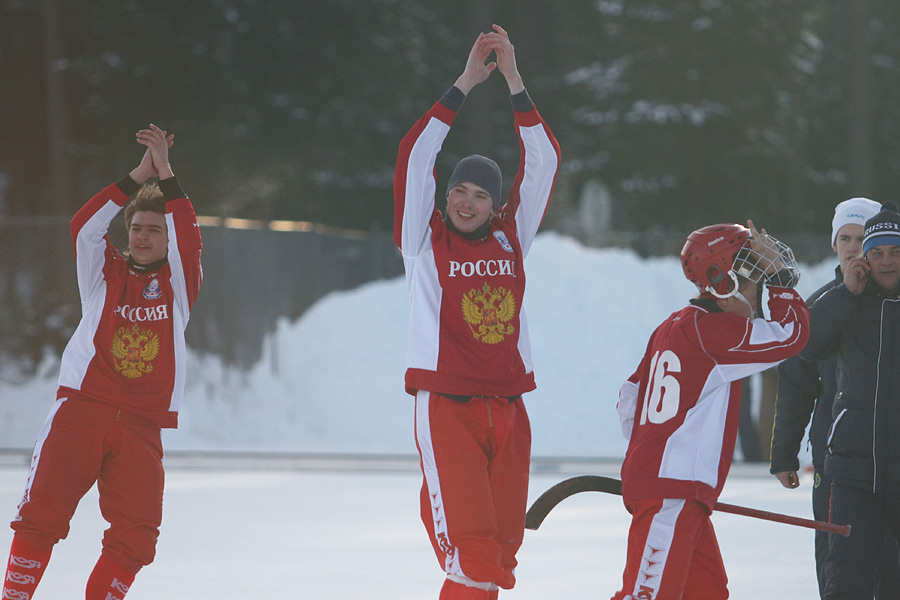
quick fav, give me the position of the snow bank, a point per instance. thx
(332, 381)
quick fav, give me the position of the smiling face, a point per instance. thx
(884, 262)
(148, 238)
(469, 206)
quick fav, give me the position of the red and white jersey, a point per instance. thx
(129, 350)
(467, 331)
(680, 409)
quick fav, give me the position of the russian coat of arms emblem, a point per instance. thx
(134, 351)
(488, 312)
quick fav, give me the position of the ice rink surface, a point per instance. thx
(343, 529)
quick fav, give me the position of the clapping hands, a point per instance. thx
(155, 162)
(476, 71)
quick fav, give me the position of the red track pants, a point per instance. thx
(475, 460)
(85, 442)
(672, 553)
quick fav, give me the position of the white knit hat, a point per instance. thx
(854, 210)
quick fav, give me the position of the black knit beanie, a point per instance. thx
(481, 171)
(883, 229)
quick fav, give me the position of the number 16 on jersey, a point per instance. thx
(663, 392)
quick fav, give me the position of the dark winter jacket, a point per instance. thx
(864, 330)
(804, 388)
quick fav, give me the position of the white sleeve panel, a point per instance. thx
(764, 332)
(180, 314)
(418, 203)
(180, 364)
(176, 266)
(541, 165)
(80, 350)
(90, 259)
(738, 371)
(627, 407)
(524, 344)
(425, 293)
(90, 249)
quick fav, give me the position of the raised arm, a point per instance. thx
(90, 224)
(185, 243)
(539, 156)
(414, 178)
(743, 347)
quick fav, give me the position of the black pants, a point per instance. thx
(820, 499)
(866, 563)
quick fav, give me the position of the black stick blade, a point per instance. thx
(562, 490)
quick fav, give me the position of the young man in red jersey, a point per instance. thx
(469, 358)
(680, 409)
(121, 380)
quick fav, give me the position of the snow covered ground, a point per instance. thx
(331, 382)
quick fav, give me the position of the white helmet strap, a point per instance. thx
(734, 290)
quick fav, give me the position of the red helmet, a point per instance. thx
(708, 257)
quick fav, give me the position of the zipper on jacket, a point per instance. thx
(881, 327)
(833, 428)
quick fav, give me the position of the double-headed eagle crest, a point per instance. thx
(134, 350)
(488, 312)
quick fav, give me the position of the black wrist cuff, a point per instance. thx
(453, 99)
(128, 186)
(521, 102)
(171, 189)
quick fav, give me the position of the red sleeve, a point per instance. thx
(731, 338)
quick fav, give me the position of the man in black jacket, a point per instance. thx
(859, 321)
(807, 389)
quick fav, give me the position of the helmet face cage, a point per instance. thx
(767, 260)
